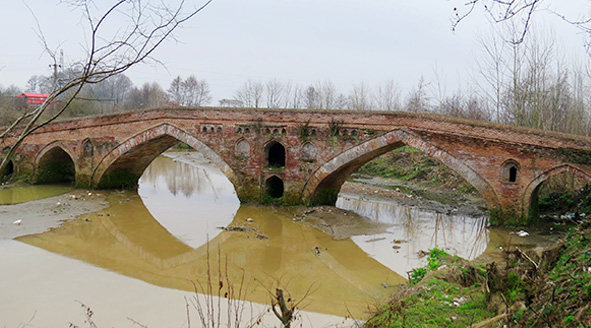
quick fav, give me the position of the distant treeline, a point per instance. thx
(525, 84)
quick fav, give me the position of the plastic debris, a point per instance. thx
(522, 233)
(17, 222)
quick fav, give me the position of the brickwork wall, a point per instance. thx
(314, 141)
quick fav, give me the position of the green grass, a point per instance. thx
(437, 303)
(409, 164)
(552, 290)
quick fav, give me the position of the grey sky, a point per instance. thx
(303, 41)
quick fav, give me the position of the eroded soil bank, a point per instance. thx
(542, 287)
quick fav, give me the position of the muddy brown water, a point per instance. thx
(26, 193)
(142, 257)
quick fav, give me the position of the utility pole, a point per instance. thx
(56, 66)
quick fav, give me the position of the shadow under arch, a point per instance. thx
(324, 185)
(124, 165)
(54, 163)
(275, 154)
(7, 172)
(530, 195)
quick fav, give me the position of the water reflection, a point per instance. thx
(26, 193)
(412, 230)
(128, 240)
(188, 196)
(158, 236)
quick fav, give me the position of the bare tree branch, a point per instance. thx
(107, 55)
(501, 11)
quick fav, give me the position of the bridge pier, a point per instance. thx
(302, 156)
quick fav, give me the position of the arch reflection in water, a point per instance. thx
(209, 200)
(129, 241)
(413, 230)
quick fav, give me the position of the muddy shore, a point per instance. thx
(42, 215)
(433, 201)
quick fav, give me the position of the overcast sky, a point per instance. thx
(302, 41)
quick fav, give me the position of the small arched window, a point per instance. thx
(308, 152)
(510, 171)
(243, 148)
(275, 154)
(512, 174)
(87, 148)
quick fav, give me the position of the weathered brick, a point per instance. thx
(476, 150)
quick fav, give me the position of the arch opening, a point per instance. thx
(324, 186)
(563, 193)
(274, 187)
(407, 171)
(56, 166)
(125, 164)
(7, 172)
(128, 168)
(275, 155)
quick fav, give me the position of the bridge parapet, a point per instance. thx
(303, 156)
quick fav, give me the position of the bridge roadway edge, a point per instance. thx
(487, 150)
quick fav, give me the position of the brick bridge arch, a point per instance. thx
(530, 196)
(44, 152)
(321, 148)
(324, 185)
(125, 163)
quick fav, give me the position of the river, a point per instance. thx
(142, 258)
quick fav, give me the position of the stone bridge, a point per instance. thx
(301, 156)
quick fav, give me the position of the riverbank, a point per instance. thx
(450, 202)
(530, 288)
(42, 215)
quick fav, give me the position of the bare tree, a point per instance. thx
(520, 11)
(293, 97)
(251, 94)
(111, 50)
(360, 98)
(9, 107)
(150, 95)
(190, 92)
(342, 102)
(387, 96)
(312, 98)
(327, 94)
(39, 84)
(493, 69)
(196, 92)
(116, 88)
(274, 90)
(418, 100)
(175, 91)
